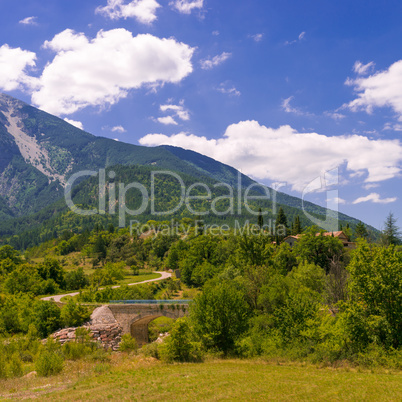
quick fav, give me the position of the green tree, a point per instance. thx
(99, 248)
(391, 233)
(180, 345)
(375, 290)
(76, 279)
(361, 231)
(297, 227)
(46, 318)
(73, 314)
(52, 269)
(319, 250)
(9, 252)
(220, 315)
(24, 279)
(260, 219)
(281, 224)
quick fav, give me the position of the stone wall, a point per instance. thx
(107, 335)
(103, 328)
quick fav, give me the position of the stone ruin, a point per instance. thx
(103, 328)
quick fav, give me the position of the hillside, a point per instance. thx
(39, 152)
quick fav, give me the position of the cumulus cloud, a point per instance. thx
(362, 69)
(14, 63)
(118, 129)
(102, 70)
(375, 197)
(187, 6)
(393, 127)
(211, 62)
(28, 21)
(75, 123)
(143, 11)
(179, 110)
(382, 89)
(167, 120)
(286, 155)
(339, 200)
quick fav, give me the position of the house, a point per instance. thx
(292, 240)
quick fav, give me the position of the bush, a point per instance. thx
(75, 351)
(49, 363)
(73, 314)
(180, 346)
(128, 344)
(220, 315)
(3, 372)
(151, 350)
(15, 366)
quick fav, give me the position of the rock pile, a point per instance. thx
(103, 328)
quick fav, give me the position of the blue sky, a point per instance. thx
(283, 90)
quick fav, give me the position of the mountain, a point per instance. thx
(39, 152)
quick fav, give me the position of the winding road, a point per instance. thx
(165, 275)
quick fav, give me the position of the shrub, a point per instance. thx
(15, 366)
(73, 314)
(75, 351)
(100, 355)
(151, 350)
(3, 372)
(49, 363)
(180, 346)
(128, 344)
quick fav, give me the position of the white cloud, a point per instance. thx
(286, 155)
(393, 127)
(118, 129)
(339, 200)
(75, 123)
(14, 63)
(382, 89)
(179, 111)
(257, 37)
(370, 186)
(375, 197)
(211, 62)
(335, 115)
(167, 120)
(286, 106)
(301, 37)
(216, 33)
(143, 11)
(187, 6)
(28, 21)
(227, 89)
(363, 69)
(101, 71)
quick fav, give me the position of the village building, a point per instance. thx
(292, 240)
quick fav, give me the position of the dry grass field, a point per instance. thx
(126, 377)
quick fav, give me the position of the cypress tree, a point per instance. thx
(260, 219)
(281, 224)
(297, 228)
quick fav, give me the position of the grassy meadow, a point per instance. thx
(127, 377)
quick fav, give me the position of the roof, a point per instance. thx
(335, 234)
